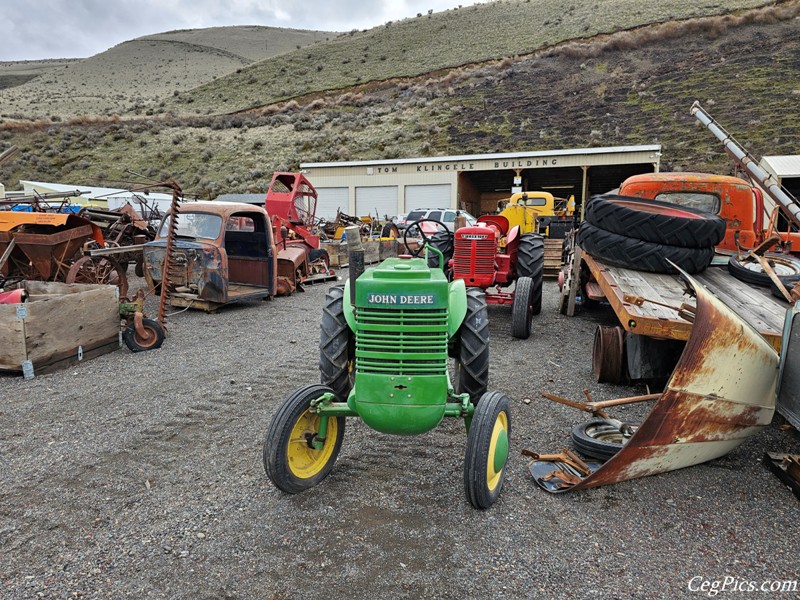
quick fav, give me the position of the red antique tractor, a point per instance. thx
(291, 203)
(506, 265)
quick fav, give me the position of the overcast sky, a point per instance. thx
(37, 29)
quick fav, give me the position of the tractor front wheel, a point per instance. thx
(487, 450)
(522, 308)
(472, 348)
(530, 263)
(291, 460)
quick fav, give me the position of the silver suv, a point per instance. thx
(445, 215)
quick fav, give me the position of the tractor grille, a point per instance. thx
(473, 257)
(401, 342)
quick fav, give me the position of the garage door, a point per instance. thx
(329, 200)
(427, 196)
(382, 199)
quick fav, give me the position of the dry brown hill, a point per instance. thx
(618, 88)
(142, 71)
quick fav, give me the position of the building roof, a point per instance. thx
(782, 166)
(499, 156)
(90, 191)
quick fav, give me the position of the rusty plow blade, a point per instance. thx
(721, 392)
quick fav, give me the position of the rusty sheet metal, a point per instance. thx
(721, 392)
(201, 267)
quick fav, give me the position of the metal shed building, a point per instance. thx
(472, 182)
(785, 170)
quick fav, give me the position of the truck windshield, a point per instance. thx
(195, 225)
(698, 200)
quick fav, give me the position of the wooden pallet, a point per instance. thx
(552, 257)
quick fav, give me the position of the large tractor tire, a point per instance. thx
(522, 308)
(621, 251)
(487, 450)
(290, 460)
(336, 346)
(530, 263)
(472, 348)
(443, 242)
(656, 222)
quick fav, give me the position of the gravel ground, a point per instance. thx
(139, 475)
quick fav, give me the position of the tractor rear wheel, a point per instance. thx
(443, 242)
(336, 346)
(487, 450)
(522, 308)
(290, 460)
(530, 263)
(472, 348)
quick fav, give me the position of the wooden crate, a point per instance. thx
(337, 253)
(371, 251)
(60, 324)
(387, 248)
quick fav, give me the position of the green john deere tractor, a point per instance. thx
(384, 350)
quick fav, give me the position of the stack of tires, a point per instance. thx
(647, 235)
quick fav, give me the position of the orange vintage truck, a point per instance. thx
(654, 313)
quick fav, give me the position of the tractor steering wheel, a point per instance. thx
(425, 239)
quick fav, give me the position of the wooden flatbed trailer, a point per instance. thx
(755, 304)
(655, 307)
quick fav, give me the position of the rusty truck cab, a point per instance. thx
(223, 252)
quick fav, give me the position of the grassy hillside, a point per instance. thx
(631, 87)
(143, 72)
(428, 43)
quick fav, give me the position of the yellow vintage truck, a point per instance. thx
(539, 212)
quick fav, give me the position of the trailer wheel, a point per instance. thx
(290, 460)
(600, 439)
(154, 336)
(530, 263)
(522, 308)
(621, 251)
(336, 346)
(487, 450)
(655, 221)
(608, 354)
(786, 267)
(472, 348)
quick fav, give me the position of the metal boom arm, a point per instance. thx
(742, 158)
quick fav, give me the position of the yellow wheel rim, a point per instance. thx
(498, 452)
(304, 461)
